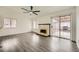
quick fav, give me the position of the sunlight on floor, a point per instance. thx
(35, 39)
(9, 44)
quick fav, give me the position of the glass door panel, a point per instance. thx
(55, 28)
(65, 27)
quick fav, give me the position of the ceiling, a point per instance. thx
(44, 10)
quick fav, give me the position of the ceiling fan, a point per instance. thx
(31, 11)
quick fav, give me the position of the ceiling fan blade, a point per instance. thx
(31, 7)
(24, 9)
(35, 13)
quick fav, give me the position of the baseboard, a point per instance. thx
(14, 34)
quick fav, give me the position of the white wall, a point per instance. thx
(77, 26)
(72, 11)
(23, 23)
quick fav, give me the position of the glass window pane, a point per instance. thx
(6, 22)
(13, 23)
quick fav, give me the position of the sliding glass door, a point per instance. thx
(61, 27)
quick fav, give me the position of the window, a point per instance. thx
(9, 23)
(35, 24)
(6, 22)
(13, 23)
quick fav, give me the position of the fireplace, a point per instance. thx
(43, 31)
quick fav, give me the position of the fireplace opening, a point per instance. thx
(43, 31)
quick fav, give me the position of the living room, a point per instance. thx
(48, 29)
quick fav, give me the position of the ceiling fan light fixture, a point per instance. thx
(30, 13)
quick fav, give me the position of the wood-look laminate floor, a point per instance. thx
(31, 42)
